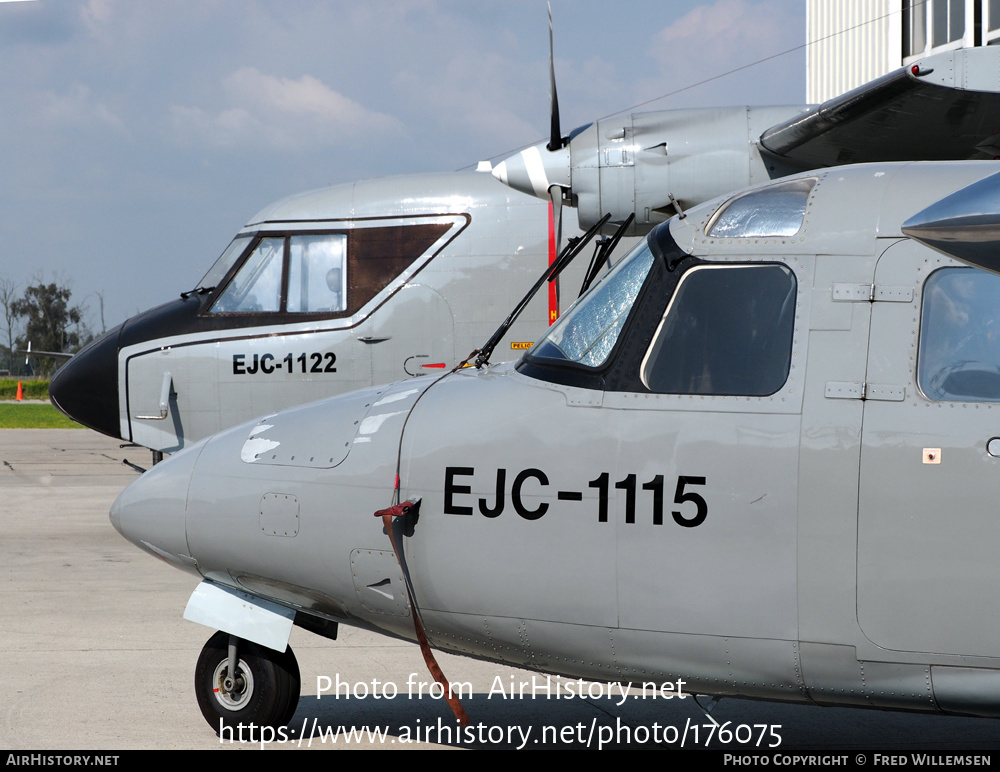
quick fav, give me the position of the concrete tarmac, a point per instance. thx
(96, 656)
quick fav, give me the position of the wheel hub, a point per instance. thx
(233, 693)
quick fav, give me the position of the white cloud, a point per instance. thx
(714, 38)
(281, 113)
(721, 25)
(76, 109)
(480, 94)
(97, 12)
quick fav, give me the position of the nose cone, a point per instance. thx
(535, 169)
(151, 512)
(86, 387)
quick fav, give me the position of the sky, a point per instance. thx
(140, 136)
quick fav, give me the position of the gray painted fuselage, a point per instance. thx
(828, 542)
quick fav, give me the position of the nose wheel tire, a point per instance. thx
(263, 691)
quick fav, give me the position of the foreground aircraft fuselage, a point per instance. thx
(761, 455)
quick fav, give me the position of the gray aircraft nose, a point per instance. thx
(86, 387)
(151, 512)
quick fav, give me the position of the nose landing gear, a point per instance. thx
(262, 689)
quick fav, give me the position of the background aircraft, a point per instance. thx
(220, 355)
(136, 165)
(321, 293)
(757, 456)
(655, 164)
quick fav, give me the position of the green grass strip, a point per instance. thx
(33, 415)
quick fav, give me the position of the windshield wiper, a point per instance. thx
(573, 247)
(196, 291)
(602, 251)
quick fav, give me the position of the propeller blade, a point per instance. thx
(538, 167)
(555, 135)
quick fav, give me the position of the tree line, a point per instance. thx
(42, 316)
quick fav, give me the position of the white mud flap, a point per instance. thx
(241, 614)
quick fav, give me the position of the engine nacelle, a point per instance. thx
(638, 162)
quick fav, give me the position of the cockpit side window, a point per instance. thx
(317, 276)
(958, 356)
(727, 331)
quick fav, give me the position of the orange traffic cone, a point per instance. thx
(20, 393)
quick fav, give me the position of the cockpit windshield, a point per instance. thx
(587, 332)
(226, 260)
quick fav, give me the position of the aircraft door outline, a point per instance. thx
(728, 439)
(936, 449)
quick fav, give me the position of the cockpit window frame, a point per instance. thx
(764, 212)
(767, 324)
(318, 265)
(375, 255)
(229, 258)
(282, 311)
(622, 370)
(668, 259)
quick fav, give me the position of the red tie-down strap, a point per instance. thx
(388, 515)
